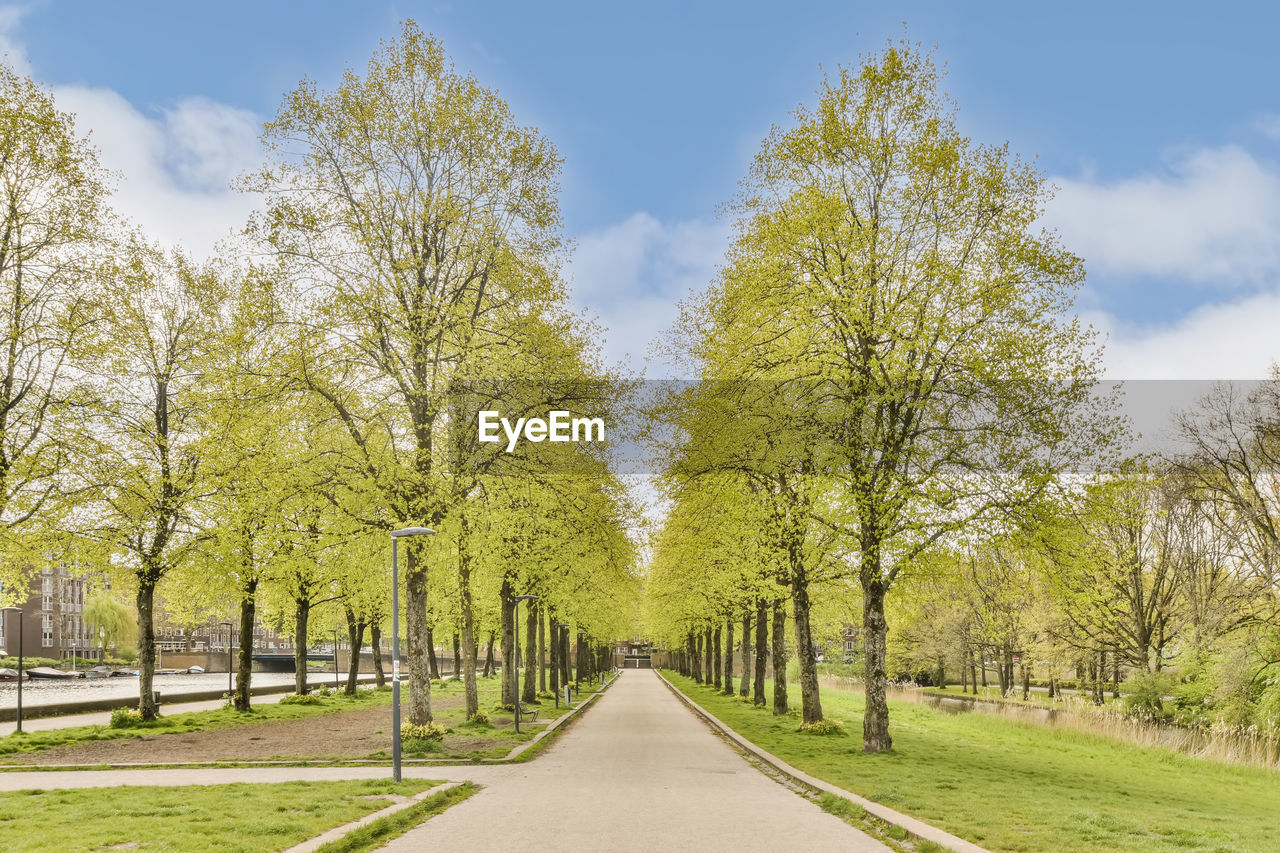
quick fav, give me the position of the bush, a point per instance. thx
(323, 690)
(126, 718)
(480, 718)
(426, 731)
(822, 727)
(510, 709)
(301, 699)
(1144, 694)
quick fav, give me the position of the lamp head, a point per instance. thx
(412, 531)
(526, 598)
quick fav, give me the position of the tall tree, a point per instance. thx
(52, 223)
(424, 223)
(888, 273)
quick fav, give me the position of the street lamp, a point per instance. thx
(396, 536)
(515, 612)
(227, 625)
(18, 610)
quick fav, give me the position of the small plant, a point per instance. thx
(301, 699)
(546, 694)
(323, 690)
(126, 718)
(479, 718)
(508, 708)
(425, 731)
(822, 727)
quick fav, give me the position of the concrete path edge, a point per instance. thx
(338, 832)
(915, 828)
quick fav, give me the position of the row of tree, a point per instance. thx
(249, 428)
(899, 414)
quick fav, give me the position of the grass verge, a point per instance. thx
(384, 829)
(1017, 786)
(234, 817)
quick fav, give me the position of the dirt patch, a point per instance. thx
(342, 734)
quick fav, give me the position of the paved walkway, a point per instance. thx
(637, 773)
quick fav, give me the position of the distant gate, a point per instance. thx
(637, 662)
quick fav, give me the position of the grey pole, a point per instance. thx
(395, 660)
(395, 643)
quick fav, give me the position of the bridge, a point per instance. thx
(284, 662)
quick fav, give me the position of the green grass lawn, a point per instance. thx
(1013, 786)
(236, 817)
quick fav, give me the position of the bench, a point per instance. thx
(529, 714)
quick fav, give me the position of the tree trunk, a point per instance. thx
(696, 649)
(973, 671)
(147, 648)
(510, 666)
(488, 654)
(779, 658)
(542, 649)
(717, 658)
(530, 693)
(244, 660)
(728, 656)
(553, 649)
(467, 639)
(355, 639)
(875, 718)
(744, 686)
(762, 654)
(432, 661)
(566, 674)
(1026, 677)
(1115, 678)
(375, 641)
(810, 700)
(415, 582)
(301, 618)
(457, 656)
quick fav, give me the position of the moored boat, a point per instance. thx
(50, 672)
(98, 672)
(8, 675)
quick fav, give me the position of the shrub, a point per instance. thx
(323, 690)
(508, 708)
(480, 718)
(126, 718)
(1145, 692)
(301, 699)
(426, 731)
(822, 727)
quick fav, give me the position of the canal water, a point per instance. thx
(37, 691)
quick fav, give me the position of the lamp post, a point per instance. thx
(396, 536)
(515, 612)
(227, 625)
(18, 610)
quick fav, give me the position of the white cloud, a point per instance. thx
(1212, 217)
(15, 56)
(632, 275)
(174, 168)
(1232, 340)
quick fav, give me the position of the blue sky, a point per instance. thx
(1160, 123)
